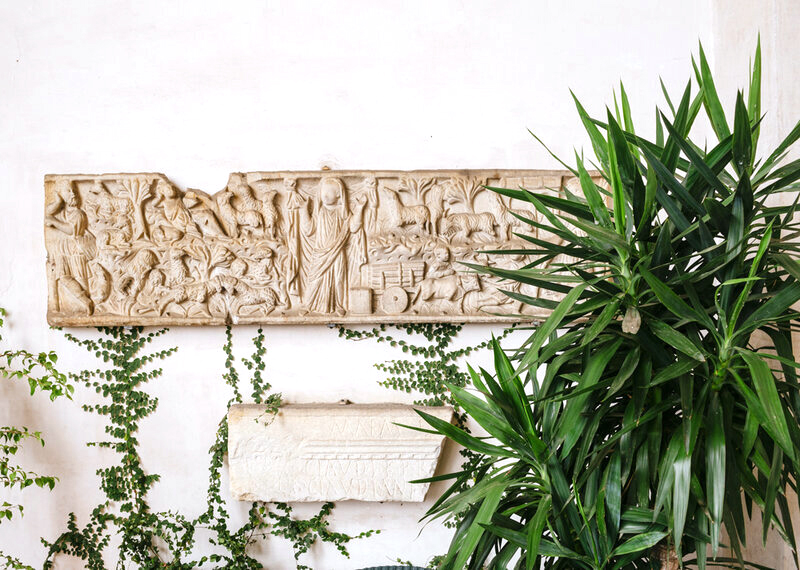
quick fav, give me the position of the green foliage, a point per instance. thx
(659, 402)
(261, 522)
(40, 373)
(146, 539)
(435, 364)
(303, 533)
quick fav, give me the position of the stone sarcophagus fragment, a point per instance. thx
(285, 247)
(334, 452)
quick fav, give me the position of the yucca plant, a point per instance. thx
(659, 402)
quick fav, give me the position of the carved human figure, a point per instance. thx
(203, 211)
(174, 220)
(264, 273)
(72, 248)
(371, 194)
(490, 298)
(293, 266)
(110, 216)
(153, 296)
(441, 286)
(327, 234)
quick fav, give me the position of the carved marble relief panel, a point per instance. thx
(284, 247)
(319, 452)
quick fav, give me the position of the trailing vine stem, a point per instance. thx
(148, 539)
(39, 371)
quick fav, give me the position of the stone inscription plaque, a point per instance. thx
(336, 452)
(285, 247)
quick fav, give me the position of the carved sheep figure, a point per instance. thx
(465, 224)
(401, 215)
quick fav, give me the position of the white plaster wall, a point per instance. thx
(199, 89)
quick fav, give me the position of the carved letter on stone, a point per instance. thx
(318, 452)
(286, 247)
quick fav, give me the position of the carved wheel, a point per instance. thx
(394, 300)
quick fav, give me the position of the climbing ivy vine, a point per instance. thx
(147, 539)
(39, 371)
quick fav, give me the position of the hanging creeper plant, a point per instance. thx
(124, 522)
(40, 373)
(145, 539)
(261, 522)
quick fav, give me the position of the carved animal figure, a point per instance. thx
(246, 299)
(436, 209)
(270, 214)
(188, 300)
(136, 271)
(178, 271)
(465, 224)
(401, 215)
(246, 222)
(507, 221)
(438, 288)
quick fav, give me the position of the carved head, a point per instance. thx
(441, 254)
(176, 254)
(370, 183)
(239, 186)
(332, 192)
(146, 259)
(68, 193)
(166, 190)
(290, 184)
(263, 252)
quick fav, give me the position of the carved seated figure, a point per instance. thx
(151, 298)
(172, 219)
(440, 290)
(110, 215)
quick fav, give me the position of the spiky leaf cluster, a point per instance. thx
(659, 402)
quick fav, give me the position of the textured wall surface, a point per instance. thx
(202, 89)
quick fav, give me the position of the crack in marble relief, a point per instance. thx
(285, 247)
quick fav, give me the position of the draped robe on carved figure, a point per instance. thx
(335, 248)
(72, 248)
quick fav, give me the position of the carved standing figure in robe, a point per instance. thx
(73, 246)
(333, 258)
(294, 203)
